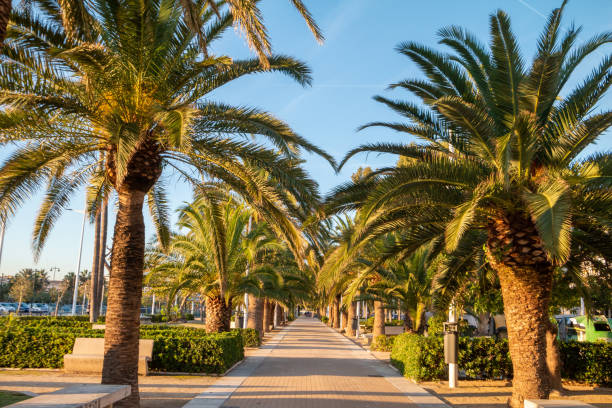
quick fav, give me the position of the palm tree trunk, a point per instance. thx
(513, 251)
(379, 319)
(218, 315)
(269, 322)
(264, 317)
(278, 315)
(350, 316)
(553, 359)
(408, 323)
(255, 314)
(95, 270)
(124, 296)
(336, 313)
(5, 12)
(344, 320)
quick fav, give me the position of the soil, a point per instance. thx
(494, 394)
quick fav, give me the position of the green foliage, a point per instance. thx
(250, 337)
(435, 325)
(369, 323)
(417, 357)
(178, 349)
(422, 359)
(324, 319)
(45, 321)
(159, 318)
(587, 362)
(382, 343)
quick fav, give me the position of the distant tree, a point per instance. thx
(21, 288)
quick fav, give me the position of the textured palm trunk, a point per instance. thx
(379, 319)
(255, 314)
(5, 12)
(95, 278)
(265, 316)
(553, 359)
(336, 312)
(514, 252)
(124, 297)
(278, 315)
(270, 316)
(408, 324)
(218, 315)
(125, 284)
(344, 320)
(350, 316)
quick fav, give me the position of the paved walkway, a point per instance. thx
(309, 365)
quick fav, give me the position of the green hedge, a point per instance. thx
(180, 349)
(45, 321)
(422, 359)
(250, 337)
(382, 343)
(587, 362)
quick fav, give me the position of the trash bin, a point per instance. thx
(451, 342)
(355, 323)
(240, 321)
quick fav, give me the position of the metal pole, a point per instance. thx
(153, 304)
(2, 229)
(78, 268)
(453, 370)
(358, 321)
(246, 295)
(582, 307)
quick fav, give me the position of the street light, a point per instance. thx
(78, 268)
(54, 269)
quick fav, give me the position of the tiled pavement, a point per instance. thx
(309, 365)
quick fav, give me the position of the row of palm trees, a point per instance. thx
(115, 96)
(501, 179)
(225, 253)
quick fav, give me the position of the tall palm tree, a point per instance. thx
(123, 87)
(499, 166)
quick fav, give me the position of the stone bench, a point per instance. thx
(540, 403)
(88, 356)
(78, 396)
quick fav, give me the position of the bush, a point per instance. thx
(159, 318)
(422, 359)
(180, 349)
(382, 343)
(250, 337)
(324, 319)
(417, 357)
(45, 321)
(587, 362)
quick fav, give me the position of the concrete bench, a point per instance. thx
(78, 396)
(556, 404)
(88, 356)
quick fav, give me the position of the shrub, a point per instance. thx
(587, 362)
(159, 318)
(382, 343)
(324, 319)
(422, 359)
(180, 349)
(417, 357)
(250, 337)
(45, 321)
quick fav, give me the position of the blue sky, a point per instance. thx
(356, 62)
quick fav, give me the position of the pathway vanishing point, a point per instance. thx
(309, 365)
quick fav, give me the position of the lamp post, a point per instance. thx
(75, 295)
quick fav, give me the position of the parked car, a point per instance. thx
(43, 307)
(8, 307)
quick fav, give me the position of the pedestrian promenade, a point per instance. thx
(313, 366)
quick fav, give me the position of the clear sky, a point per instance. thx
(356, 62)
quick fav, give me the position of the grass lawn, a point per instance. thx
(9, 397)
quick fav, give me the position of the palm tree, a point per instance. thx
(122, 98)
(499, 166)
(410, 282)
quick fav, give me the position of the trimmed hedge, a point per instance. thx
(177, 349)
(422, 359)
(250, 337)
(382, 343)
(587, 362)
